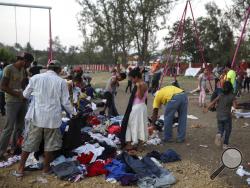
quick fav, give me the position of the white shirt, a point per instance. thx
(96, 149)
(49, 94)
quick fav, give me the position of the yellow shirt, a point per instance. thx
(231, 75)
(164, 95)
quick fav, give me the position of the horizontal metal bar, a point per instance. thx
(24, 5)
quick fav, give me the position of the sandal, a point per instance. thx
(17, 174)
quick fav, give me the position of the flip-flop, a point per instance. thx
(17, 174)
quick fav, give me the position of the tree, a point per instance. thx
(108, 23)
(215, 34)
(143, 15)
(236, 15)
(119, 24)
(28, 48)
(6, 55)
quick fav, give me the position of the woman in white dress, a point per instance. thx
(136, 132)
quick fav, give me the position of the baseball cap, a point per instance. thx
(55, 63)
(26, 57)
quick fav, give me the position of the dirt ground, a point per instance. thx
(197, 162)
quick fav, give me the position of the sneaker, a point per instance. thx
(225, 146)
(217, 140)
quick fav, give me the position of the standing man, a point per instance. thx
(130, 84)
(230, 76)
(13, 83)
(110, 92)
(175, 100)
(50, 96)
(156, 70)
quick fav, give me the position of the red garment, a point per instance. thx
(85, 158)
(92, 120)
(114, 129)
(96, 168)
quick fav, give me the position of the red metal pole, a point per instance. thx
(50, 39)
(171, 50)
(199, 44)
(241, 38)
(197, 35)
(181, 44)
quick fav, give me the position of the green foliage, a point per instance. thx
(6, 55)
(215, 34)
(118, 26)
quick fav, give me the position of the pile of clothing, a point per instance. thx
(90, 148)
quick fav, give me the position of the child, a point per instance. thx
(203, 86)
(225, 101)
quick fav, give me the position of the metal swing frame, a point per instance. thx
(179, 33)
(50, 53)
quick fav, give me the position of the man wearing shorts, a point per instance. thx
(48, 94)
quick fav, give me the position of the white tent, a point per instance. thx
(192, 71)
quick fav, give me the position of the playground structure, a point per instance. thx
(50, 53)
(180, 32)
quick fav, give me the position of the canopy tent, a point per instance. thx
(192, 72)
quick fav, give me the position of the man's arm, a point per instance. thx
(5, 87)
(154, 115)
(28, 90)
(211, 104)
(65, 102)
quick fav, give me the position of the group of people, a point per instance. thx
(228, 85)
(135, 120)
(34, 105)
(35, 101)
(239, 80)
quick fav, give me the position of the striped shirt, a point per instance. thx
(49, 95)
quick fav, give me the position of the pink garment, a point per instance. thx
(137, 100)
(202, 96)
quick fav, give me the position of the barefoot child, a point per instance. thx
(225, 101)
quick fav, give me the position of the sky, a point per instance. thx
(64, 21)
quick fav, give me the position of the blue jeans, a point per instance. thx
(225, 126)
(178, 103)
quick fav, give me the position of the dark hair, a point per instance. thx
(135, 73)
(228, 65)
(227, 88)
(176, 84)
(123, 75)
(35, 63)
(55, 69)
(77, 78)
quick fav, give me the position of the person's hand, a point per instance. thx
(205, 110)
(20, 95)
